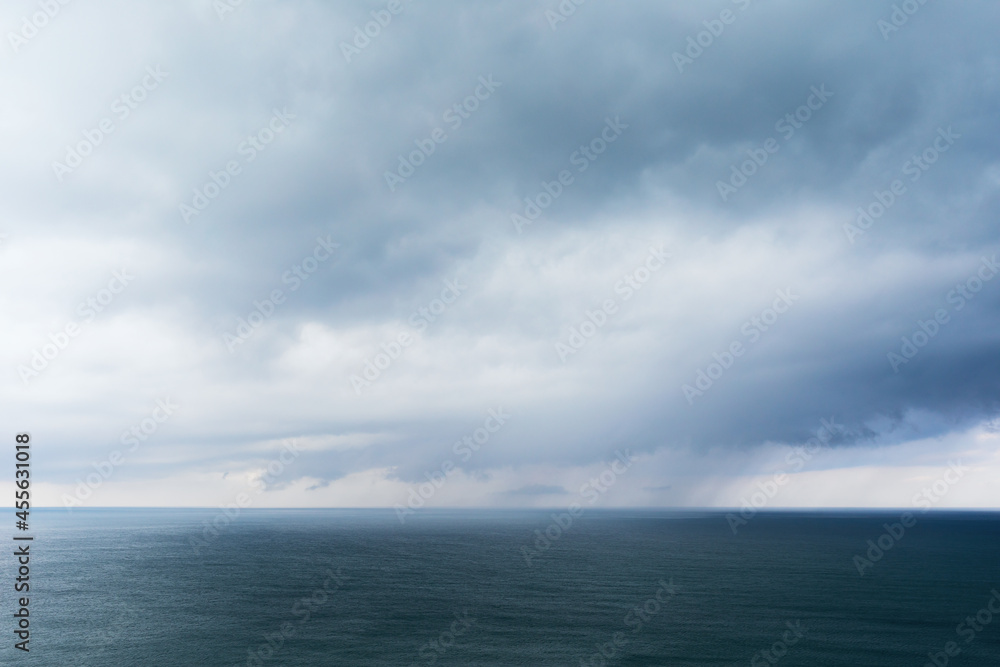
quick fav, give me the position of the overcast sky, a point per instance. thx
(255, 231)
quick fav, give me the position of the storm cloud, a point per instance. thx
(689, 230)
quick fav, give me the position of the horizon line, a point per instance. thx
(544, 509)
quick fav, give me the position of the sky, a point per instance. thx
(440, 254)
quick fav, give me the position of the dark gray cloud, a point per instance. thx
(537, 490)
(551, 93)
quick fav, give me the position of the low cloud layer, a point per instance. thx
(514, 238)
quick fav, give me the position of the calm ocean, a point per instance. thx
(357, 587)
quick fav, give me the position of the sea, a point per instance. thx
(227, 588)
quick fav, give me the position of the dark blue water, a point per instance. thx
(350, 587)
